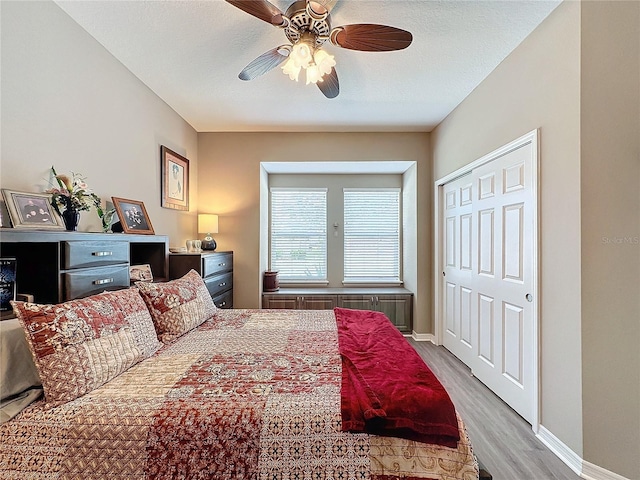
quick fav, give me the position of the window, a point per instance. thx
(371, 235)
(299, 233)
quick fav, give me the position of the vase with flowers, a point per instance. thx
(70, 197)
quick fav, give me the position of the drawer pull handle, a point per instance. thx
(222, 264)
(103, 281)
(222, 284)
(222, 304)
(102, 254)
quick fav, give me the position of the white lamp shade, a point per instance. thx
(207, 223)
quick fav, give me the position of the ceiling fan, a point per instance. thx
(307, 25)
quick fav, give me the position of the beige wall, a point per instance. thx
(576, 78)
(537, 86)
(229, 185)
(67, 102)
(610, 187)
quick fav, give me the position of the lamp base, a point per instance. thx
(209, 244)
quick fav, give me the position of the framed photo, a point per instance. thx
(133, 216)
(140, 273)
(7, 284)
(32, 210)
(175, 180)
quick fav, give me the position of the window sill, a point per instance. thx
(372, 283)
(303, 283)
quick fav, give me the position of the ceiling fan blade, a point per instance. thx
(261, 9)
(329, 84)
(265, 62)
(370, 37)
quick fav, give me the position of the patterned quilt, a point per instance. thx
(249, 394)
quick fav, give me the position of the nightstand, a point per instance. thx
(215, 268)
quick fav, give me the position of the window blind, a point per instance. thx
(299, 233)
(371, 235)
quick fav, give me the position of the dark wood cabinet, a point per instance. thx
(395, 303)
(216, 269)
(300, 302)
(55, 266)
(397, 307)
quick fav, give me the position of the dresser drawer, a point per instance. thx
(219, 283)
(82, 254)
(89, 281)
(219, 262)
(225, 300)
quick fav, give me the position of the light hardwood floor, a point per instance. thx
(502, 440)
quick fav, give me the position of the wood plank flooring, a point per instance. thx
(502, 440)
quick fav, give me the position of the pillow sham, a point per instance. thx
(80, 345)
(19, 380)
(178, 306)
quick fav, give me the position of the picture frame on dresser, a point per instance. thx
(133, 216)
(140, 273)
(175, 180)
(31, 210)
(7, 286)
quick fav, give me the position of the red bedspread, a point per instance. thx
(247, 395)
(386, 387)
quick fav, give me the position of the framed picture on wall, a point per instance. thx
(133, 216)
(175, 180)
(31, 210)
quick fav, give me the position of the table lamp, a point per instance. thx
(208, 223)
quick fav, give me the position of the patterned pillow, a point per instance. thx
(178, 306)
(82, 344)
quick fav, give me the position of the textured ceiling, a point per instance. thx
(190, 53)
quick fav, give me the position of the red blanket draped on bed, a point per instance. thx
(386, 387)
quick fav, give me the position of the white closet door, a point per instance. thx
(503, 219)
(487, 286)
(459, 336)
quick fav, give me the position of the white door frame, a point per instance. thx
(532, 138)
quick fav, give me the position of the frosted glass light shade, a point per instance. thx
(304, 56)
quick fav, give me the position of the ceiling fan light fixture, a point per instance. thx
(315, 61)
(302, 53)
(313, 74)
(290, 68)
(324, 61)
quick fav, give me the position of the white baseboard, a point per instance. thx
(564, 453)
(594, 472)
(585, 469)
(423, 337)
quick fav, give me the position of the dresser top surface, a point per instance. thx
(14, 235)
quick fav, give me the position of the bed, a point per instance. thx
(226, 394)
